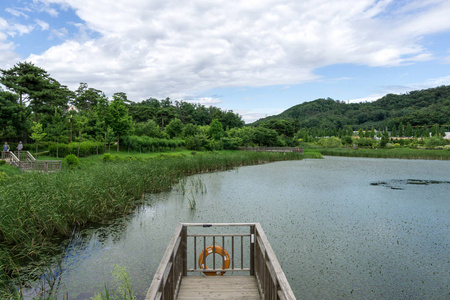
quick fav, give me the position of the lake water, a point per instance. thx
(341, 227)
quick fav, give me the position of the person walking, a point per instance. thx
(20, 146)
(6, 147)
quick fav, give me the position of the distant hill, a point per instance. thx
(423, 107)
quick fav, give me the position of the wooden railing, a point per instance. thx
(41, 165)
(249, 251)
(25, 156)
(273, 149)
(26, 162)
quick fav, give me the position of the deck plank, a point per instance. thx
(218, 288)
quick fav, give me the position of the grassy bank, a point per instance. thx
(35, 208)
(404, 153)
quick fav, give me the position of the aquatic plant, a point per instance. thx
(124, 290)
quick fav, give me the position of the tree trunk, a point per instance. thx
(57, 147)
(117, 142)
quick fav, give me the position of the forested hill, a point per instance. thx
(419, 108)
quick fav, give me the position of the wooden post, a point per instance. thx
(252, 250)
(184, 248)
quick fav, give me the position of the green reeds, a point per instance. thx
(35, 207)
(403, 153)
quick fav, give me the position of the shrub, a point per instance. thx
(362, 142)
(72, 161)
(86, 148)
(107, 157)
(2, 162)
(231, 143)
(331, 142)
(434, 142)
(347, 140)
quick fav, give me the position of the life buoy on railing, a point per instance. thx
(214, 249)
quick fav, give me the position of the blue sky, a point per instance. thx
(257, 58)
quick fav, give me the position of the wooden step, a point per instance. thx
(218, 288)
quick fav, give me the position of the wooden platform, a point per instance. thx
(219, 288)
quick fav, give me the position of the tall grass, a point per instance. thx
(36, 208)
(404, 153)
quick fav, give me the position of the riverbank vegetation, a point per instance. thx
(47, 116)
(38, 209)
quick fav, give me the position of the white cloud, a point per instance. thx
(366, 99)
(207, 101)
(16, 12)
(61, 33)
(7, 54)
(433, 82)
(42, 24)
(250, 116)
(173, 48)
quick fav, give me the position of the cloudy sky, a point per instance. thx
(255, 57)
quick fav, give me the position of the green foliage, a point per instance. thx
(107, 157)
(197, 142)
(174, 128)
(331, 142)
(124, 290)
(231, 143)
(72, 161)
(434, 141)
(384, 139)
(363, 142)
(85, 149)
(347, 140)
(419, 108)
(37, 133)
(216, 130)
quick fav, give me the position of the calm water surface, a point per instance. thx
(335, 234)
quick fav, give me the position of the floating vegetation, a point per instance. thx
(399, 184)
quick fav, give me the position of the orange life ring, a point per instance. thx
(214, 249)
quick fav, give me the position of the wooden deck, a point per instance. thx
(219, 288)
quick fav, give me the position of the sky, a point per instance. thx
(255, 57)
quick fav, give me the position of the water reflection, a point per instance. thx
(335, 234)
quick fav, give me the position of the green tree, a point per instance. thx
(56, 129)
(265, 136)
(394, 131)
(35, 86)
(37, 134)
(87, 98)
(384, 139)
(118, 117)
(409, 130)
(12, 115)
(216, 130)
(110, 137)
(149, 128)
(435, 130)
(174, 128)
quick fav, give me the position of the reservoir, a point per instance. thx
(354, 228)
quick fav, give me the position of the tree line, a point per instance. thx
(37, 108)
(421, 109)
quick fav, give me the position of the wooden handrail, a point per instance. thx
(272, 282)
